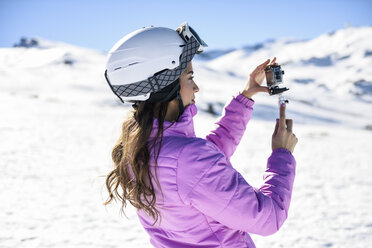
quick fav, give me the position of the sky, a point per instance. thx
(221, 24)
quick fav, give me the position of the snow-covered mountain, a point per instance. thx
(330, 76)
(60, 120)
(52, 70)
(323, 74)
(338, 61)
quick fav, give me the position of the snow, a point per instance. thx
(59, 122)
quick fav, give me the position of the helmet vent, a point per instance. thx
(117, 68)
(133, 63)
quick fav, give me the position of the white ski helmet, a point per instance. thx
(146, 61)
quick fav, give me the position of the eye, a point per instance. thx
(192, 78)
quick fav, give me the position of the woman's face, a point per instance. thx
(188, 86)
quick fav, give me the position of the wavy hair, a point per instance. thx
(133, 149)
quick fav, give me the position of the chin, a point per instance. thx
(189, 103)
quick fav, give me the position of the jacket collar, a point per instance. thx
(183, 127)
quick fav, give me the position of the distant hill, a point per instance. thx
(330, 76)
(340, 61)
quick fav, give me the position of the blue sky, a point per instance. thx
(222, 24)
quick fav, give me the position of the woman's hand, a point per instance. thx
(255, 80)
(283, 137)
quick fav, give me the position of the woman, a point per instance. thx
(186, 192)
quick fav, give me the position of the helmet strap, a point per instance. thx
(181, 108)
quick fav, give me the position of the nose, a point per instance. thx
(196, 88)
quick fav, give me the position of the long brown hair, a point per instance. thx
(133, 149)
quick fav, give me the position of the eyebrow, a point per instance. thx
(190, 72)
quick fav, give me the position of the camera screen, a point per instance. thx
(278, 74)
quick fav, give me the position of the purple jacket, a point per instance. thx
(205, 201)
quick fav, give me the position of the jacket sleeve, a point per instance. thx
(231, 126)
(223, 194)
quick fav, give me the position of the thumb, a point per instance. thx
(254, 90)
(263, 89)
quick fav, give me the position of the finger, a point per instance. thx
(282, 116)
(295, 138)
(273, 61)
(276, 127)
(263, 65)
(289, 124)
(260, 68)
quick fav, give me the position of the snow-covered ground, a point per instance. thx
(59, 122)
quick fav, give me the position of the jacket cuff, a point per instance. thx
(244, 100)
(282, 150)
(283, 154)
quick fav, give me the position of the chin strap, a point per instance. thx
(181, 108)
